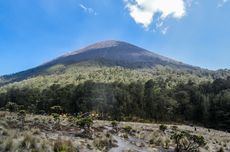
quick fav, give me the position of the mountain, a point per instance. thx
(102, 54)
(117, 53)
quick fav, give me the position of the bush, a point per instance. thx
(163, 128)
(56, 117)
(187, 142)
(63, 146)
(104, 143)
(11, 106)
(21, 117)
(127, 129)
(114, 124)
(56, 109)
(28, 142)
(174, 128)
(84, 122)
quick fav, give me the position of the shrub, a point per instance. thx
(114, 124)
(163, 128)
(56, 109)
(28, 142)
(104, 143)
(56, 117)
(63, 146)
(127, 129)
(187, 142)
(11, 106)
(174, 128)
(21, 117)
(84, 122)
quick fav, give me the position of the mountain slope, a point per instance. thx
(117, 53)
(101, 54)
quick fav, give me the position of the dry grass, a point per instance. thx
(40, 135)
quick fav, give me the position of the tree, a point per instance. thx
(11, 106)
(149, 99)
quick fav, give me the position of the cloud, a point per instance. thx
(221, 3)
(88, 9)
(144, 11)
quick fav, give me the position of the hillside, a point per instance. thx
(122, 82)
(117, 53)
(45, 134)
(104, 54)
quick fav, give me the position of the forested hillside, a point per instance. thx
(120, 81)
(206, 103)
(109, 54)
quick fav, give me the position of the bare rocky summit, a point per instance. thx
(118, 53)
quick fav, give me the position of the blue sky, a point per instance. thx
(32, 32)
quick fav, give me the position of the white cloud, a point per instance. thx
(164, 30)
(144, 11)
(88, 9)
(221, 3)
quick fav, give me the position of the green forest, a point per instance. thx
(206, 103)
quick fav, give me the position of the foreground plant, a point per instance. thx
(21, 117)
(84, 122)
(64, 146)
(186, 142)
(163, 128)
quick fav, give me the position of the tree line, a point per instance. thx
(207, 104)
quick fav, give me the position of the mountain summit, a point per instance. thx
(117, 53)
(107, 54)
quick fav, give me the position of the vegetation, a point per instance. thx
(84, 122)
(187, 142)
(47, 136)
(205, 103)
(63, 146)
(163, 127)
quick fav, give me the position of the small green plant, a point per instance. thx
(63, 146)
(56, 117)
(104, 143)
(114, 124)
(57, 120)
(84, 122)
(127, 129)
(163, 128)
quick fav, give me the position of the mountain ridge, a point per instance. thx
(113, 50)
(105, 53)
